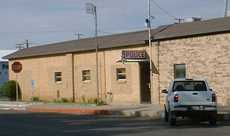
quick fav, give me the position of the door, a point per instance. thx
(145, 82)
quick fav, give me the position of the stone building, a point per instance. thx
(198, 49)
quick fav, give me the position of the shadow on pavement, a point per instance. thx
(187, 123)
(48, 124)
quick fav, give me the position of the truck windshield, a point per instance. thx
(189, 86)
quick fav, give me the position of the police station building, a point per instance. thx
(199, 49)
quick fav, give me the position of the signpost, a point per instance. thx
(33, 84)
(16, 68)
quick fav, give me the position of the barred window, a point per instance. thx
(121, 73)
(86, 75)
(58, 77)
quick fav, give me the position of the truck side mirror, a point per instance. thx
(164, 91)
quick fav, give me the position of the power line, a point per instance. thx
(104, 32)
(165, 11)
(79, 35)
(19, 46)
(49, 31)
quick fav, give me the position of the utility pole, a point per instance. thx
(78, 35)
(27, 43)
(22, 45)
(226, 9)
(92, 9)
(179, 20)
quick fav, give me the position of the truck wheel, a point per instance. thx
(213, 119)
(171, 118)
(166, 116)
(212, 122)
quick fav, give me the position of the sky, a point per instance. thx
(49, 21)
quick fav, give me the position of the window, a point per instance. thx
(121, 73)
(179, 71)
(189, 86)
(5, 66)
(86, 75)
(58, 77)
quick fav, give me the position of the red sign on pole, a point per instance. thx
(17, 67)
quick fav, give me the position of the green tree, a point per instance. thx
(8, 89)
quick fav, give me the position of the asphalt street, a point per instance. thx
(44, 124)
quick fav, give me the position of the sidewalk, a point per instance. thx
(12, 105)
(224, 112)
(142, 110)
(69, 108)
(127, 110)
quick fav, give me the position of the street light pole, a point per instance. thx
(97, 47)
(226, 9)
(92, 9)
(150, 43)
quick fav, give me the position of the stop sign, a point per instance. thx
(17, 67)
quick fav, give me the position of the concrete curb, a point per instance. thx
(222, 116)
(16, 107)
(149, 114)
(150, 111)
(71, 111)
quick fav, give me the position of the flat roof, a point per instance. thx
(172, 31)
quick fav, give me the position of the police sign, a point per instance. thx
(134, 54)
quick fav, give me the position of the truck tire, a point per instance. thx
(171, 118)
(212, 122)
(166, 115)
(213, 119)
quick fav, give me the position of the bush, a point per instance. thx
(100, 102)
(84, 100)
(65, 100)
(8, 89)
(35, 99)
(62, 100)
(1, 91)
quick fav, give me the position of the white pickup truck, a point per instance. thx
(190, 98)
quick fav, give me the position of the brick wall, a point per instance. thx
(41, 71)
(206, 57)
